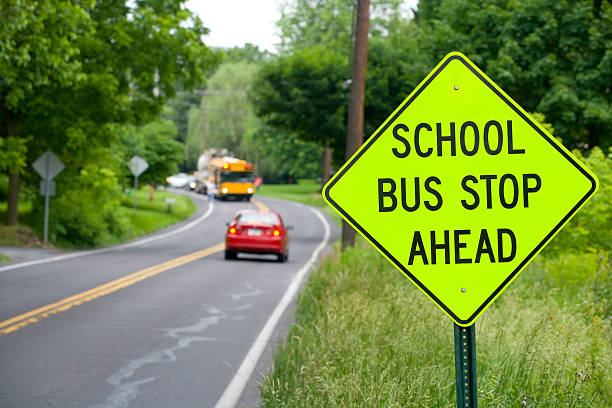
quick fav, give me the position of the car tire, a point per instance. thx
(230, 254)
(282, 257)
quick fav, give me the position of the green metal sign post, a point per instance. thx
(465, 366)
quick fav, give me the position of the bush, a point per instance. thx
(591, 229)
(84, 213)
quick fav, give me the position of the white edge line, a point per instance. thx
(234, 390)
(112, 248)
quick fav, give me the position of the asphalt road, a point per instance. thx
(164, 322)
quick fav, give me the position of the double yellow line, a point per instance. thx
(35, 315)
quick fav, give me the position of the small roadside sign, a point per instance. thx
(48, 166)
(44, 188)
(137, 165)
(460, 188)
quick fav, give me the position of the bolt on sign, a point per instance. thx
(460, 188)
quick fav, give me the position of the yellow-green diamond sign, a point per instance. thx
(460, 188)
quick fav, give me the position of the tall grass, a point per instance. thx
(364, 336)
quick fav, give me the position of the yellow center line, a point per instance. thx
(260, 205)
(35, 315)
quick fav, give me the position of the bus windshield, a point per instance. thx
(237, 176)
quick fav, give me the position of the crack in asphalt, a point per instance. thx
(125, 392)
(252, 291)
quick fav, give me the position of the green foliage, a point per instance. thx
(554, 57)
(109, 64)
(154, 142)
(591, 229)
(365, 336)
(551, 56)
(248, 53)
(13, 154)
(227, 105)
(38, 44)
(305, 90)
(281, 157)
(232, 125)
(38, 49)
(303, 93)
(74, 221)
(306, 23)
(193, 143)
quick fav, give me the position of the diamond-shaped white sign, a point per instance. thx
(48, 165)
(137, 165)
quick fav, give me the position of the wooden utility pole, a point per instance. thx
(354, 134)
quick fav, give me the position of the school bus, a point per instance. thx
(233, 178)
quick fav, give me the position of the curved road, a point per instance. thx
(161, 322)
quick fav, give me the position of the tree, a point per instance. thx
(155, 142)
(305, 93)
(308, 23)
(129, 59)
(305, 90)
(38, 44)
(227, 105)
(193, 144)
(120, 63)
(553, 57)
(280, 157)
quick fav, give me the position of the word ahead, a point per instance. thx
(460, 188)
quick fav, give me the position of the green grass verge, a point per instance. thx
(367, 337)
(3, 258)
(305, 192)
(149, 217)
(153, 215)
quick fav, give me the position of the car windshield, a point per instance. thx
(257, 218)
(237, 176)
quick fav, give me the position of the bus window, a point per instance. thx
(237, 176)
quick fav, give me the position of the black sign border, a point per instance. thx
(514, 107)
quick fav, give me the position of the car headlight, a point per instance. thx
(192, 185)
(224, 190)
(250, 190)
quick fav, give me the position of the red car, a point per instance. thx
(257, 232)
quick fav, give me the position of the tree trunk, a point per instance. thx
(12, 123)
(151, 191)
(354, 134)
